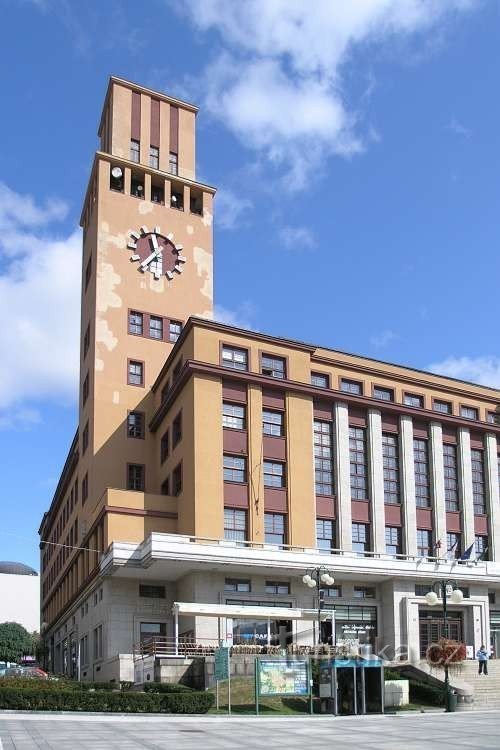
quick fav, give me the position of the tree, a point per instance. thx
(15, 641)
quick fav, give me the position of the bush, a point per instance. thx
(166, 687)
(420, 692)
(187, 703)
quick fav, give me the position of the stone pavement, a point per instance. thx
(474, 729)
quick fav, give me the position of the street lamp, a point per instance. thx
(440, 589)
(314, 578)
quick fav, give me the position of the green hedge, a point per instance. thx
(166, 687)
(431, 695)
(33, 699)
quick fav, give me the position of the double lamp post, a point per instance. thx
(316, 578)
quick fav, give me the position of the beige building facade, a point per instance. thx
(213, 466)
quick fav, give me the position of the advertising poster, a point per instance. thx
(283, 677)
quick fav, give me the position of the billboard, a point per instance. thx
(283, 677)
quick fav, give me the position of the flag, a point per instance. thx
(438, 544)
(467, 554)
(483, 556)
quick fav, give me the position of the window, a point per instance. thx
(383, 394)
(424, 543)
(85, 488)
(235, 524)
(177, 198)
(174, 330)
(85, 438)
(390, 452)
(444, 407)
(323, 457)
(196, 202)
(156, 327)
(177, 430)
(274, 474)
(412, 399)
(393, 540)
(492, 417)
(86, 341)
(165, 487)
(333, 592)
(172, 163)
(357, 454)
(234, 358)
(360, 537)
(453, 546)
(177, 480)
(135, 477)
(468, 412)
(421, 589)
(136, 186)
(98, 642)
(157, 194)
(324, 534)
(274, 528)
(116, 182)
(491, 597)
(135, 151)
(84, 650)
(235, 468)
(478, 488)
(135, 323)
(242, 585)
(450, 477)
(85, 389)
(273, 367)
(149, 591)
(320, 380)
(135, 424)
(277, 587)
(88, 272)
(364, 592)
(154, 157)
(481, 547)
(422, 478)
(164, 447)
(273, 423)
(233, 416)
(135, 372)
(351, 386)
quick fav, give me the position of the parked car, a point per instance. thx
(36, 673)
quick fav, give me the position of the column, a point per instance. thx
(437, 484)
(465, 485)
(255, 473)
(343, 475)
(376, 479)
(493, 494)
(408, 499)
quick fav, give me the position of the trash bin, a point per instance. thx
(451, 701)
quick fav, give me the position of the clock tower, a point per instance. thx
(147, 266)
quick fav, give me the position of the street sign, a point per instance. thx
(222, 663)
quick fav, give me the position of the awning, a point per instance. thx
(234, 610)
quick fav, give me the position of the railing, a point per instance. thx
(161, 647)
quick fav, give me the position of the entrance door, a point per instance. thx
(432, 629)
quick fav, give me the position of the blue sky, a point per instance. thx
(356, 149)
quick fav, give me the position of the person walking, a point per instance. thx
(482, 657)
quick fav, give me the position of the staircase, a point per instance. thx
(486, 689)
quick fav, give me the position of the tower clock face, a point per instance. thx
(155, 252)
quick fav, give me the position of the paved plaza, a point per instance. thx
(444, 732)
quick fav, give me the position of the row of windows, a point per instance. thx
(234, 418)
(157, 326)
(154, 156)
(235, 470)
(157, 195)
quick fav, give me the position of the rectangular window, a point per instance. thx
(85, 488)
(274, 474)
(135, 323)
(444, 407)
(135, 424)
(450, 477)
(88, 272)
(393, 540)
(84, 650)
(135, 372)
(453, 546)
(174, 330)
(364, 592)
(137, 186)
(333, 592)
(233, 416)
(85, 389)
(177, 430)
(422, 478)
(357, 455)
(351, 386)
(469, 412)
(135, 477)
(165, 487)
(424, 543)
(273, 423)
(492, 417)
(98, 642)
(390, 452)
(383, 394)
(413, 399)
(277, 587)
(234, 358)
(235, 468)
(177, 197)
(177, 480)
(173, 166)
(154, 157)
(324, 534)
(323, 457)
(135, 151)
(274, 528)
(241, 585)
(481, 547)
(273, 367)
(164, 447)
(320, 380)
(156, 327)
(360, 537)
(149, 591)
(235, 524)
(86, 341)
(157, 194)
(478, 488)
(421, 589)
(85, 438)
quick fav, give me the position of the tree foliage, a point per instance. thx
(15, 641)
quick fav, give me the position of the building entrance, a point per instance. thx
(495, 634)
(432, 629)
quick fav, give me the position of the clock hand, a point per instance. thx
(148, 260)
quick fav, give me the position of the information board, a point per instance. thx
(283, 677)
(221, 668)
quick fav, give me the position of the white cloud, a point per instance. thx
(278, 82)
(297, 238)
(484, 370)
(383, 339)
(457, 127)
(230, 208)
(39, 307)
(240, 317)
